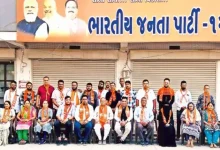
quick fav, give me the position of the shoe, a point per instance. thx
(177, 139)
(100, 142)
(42, 141)
(118, 140)
(146, 143)
(84, 143)
(142, 143)
(104, 142)
(65, 142)
(58, 142)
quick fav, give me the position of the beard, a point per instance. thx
(100, 87)
(30, 17)
(74, 89)
(183, 88)
(29, 89)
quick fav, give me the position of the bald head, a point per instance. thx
(30, 10)
(50, 8)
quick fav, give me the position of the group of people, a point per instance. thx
(106, 108)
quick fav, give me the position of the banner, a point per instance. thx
(118, 21)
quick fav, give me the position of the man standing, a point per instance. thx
(103, 117)
(45, 93)
(149, 95)
(32, 25)
(65, 115)
(165, 95)
(144, 118)
(182, 98)
(130, 94)
(204, 99)
(107, 85)
(113, 97)
(122, 84)
(123, 117)
(101, 91)
(58, 96)
(77, 26)
(75, 94)
(27, 94)
(92, 96)
(83, 115)
(12, 96)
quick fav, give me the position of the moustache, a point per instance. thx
(70, 11)
(47, 11)
(30, 13)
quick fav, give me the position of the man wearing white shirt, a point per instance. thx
(182, 98)
(123, 117)
(122, 84)
(144, 118)
(83, 118)
(101, 91)
(75, 94)
(13, 96)
(58, 96)
(65, 115)
(103, 116)
(149, 94)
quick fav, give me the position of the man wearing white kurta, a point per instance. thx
(149, 94)
(103, 115)
(144, 118)
(13, 96)
(101, 91)
(123, 117)
(182, 98)
(75, 94)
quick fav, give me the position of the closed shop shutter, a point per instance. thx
(80, 71)
(197, 74)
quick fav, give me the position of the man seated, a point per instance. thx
(65, 115)
(83, 115)
(123, 117)
(144, 117)
(103, 116)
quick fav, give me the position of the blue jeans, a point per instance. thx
(77, 130)
(212, 136)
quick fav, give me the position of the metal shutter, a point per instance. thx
(80, 71)
(197, 74)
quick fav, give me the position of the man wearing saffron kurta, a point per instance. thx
(101, 91)
(83, 116)
(204, 99)
(65, 115)
(27, 94)
(113, 97)
(123, 117)
(92, 96)
(103, 116)
(144, 117)
(130, 94)
(75, 94)
(182, 98)
(58, 95)
(45, 93)
(12, 96)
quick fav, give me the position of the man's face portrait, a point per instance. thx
(71, 10)
(49, 8)
(30, 10)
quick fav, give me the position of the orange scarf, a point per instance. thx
(127, 111)
(142, 114)
(189, 116)
(83, 111)
(67, 109)
(100, 93)
(6, 114)
(128, 94)
(102, 115)
(73, 96)
(164, 118)
(61, 94)
(211, 116)
(26, 113)
(14, 99)
(47, 90)
(26, 92)
(113, 97)
(91, 94)
(44, 116)
(165, 91)
(207, 99)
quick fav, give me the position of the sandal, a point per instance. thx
(215, 146)
(211, 146)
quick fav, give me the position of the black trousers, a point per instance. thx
(179, 112)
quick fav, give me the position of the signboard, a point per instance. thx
(118, 20)
(22, 84)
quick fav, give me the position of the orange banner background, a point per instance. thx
(170, 8)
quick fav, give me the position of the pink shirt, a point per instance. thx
(42, 93)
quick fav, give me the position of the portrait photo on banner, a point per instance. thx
(50, 20)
